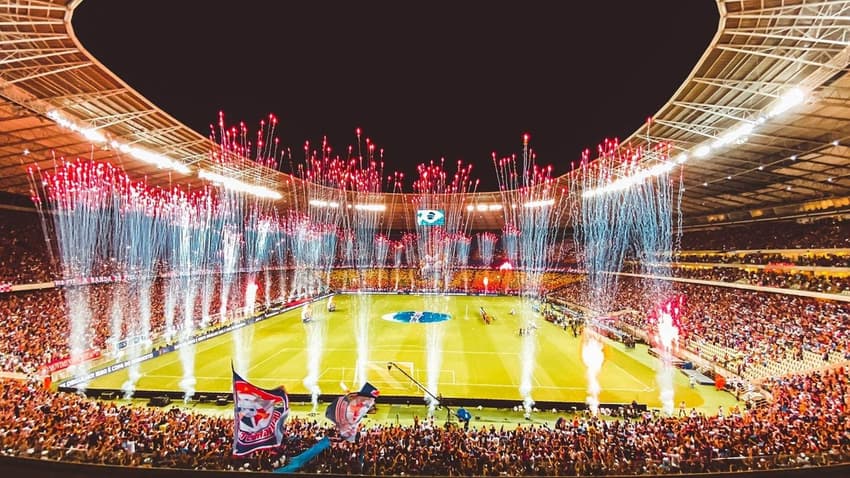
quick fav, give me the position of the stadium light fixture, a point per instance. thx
(735, 135)
(158, 160)
(483, 207)
(788, 100)
(539, 203)
(630, 181)
(370, 207)
(323, 203)
(239, 186)
(94, 135)
(702, 151)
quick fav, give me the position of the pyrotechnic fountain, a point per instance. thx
(510, 241)
(410, 244)
(311, 236)
(666, 324)
(102, 219)
(280, 246)
(365, 172)
(439, 198)
(142, 240)
(397, 250)
(315, 238)
(463, 244)
(382, 247)
(634, 218)
(190, 235)
(248, 223)
(487, 247)
(532, 208)
(593, 357)
(106, 224)
(306, 243)
(76, 201)
(179, 257)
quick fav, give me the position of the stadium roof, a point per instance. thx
(757, 164)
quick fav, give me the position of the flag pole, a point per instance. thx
(438, 400)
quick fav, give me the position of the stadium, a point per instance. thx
(677, 303)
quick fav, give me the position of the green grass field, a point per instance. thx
(478, 360)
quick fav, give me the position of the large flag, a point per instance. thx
(298, 461)
(259, 415)
(348, 410)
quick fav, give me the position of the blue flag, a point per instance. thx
(259, 415)
(298, 461)
(348, 410)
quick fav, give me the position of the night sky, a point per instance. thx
(424, 80)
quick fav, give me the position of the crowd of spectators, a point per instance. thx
(43, 313)
(36, 330)
(806, 424)
(730, 318)
(821, 234)
(824, 283)
(24, 257)
(756, 328)
(825, 259)
(470, 280)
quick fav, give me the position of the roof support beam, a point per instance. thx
(779, 57)
(12, 58)
(32, 38)
(722, 111)
(50, 72)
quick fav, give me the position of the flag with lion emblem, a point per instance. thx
(348, 410)
(259, 415)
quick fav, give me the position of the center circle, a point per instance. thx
(416, 317)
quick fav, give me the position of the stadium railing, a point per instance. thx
(45, 468)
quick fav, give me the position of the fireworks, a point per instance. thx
(344, 199)
(487, 247)
(365, 172)
(382, 248)
(611, 222)
(462, 246)
(439, 193)
(666, 321)
(190, 238)
(607, 225)
(105, 223)
(86, 200)
(593, 357)
(533, 209)
(438, 190)
(510, 240)
(397, 248)
(247, 222)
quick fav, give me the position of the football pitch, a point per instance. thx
(475, 360)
